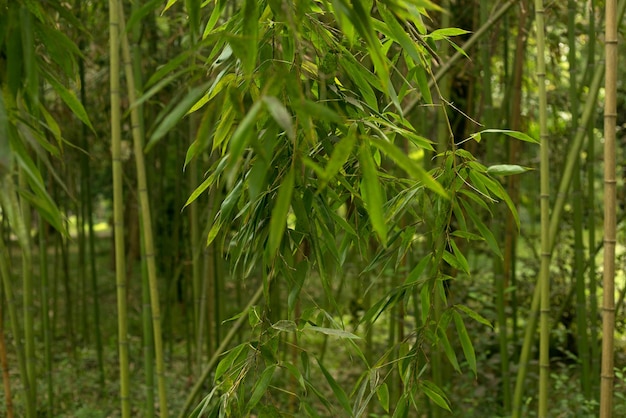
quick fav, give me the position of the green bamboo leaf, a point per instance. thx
(435, 394)
(319, 112)
(250, 35)
(226, 125)
(340, 154)
(333, 332)
(193, 13)
(285, 325)
(479, 184)
(496, 188)
(506, 169)
(261, 386)
(416, 273)
(207, 182)
(228, 361)
(399, 34)
(451, 260)
(202, 407)
(362, 22)
(422, 83)
(484, 231)
(61, 49)
(467, 235)
(231, 200)
(278, 221)
(382, 392)
(176, 115)
(402, 407)
(70, 100)
(156, 88)
(447, 348)
(242, 134)
(457, 211)
(281, 115)
(513, 134)
(473, 314)
(254, 318)
(54, 128)
(40, 198)
(172, 64)
(322, 397)
(458, 49)
(340, 395)
(215, 15)
(215, 229)
(169, 4)
(222, 80)
(293, 370)
(341, 222)
(446, 32)
(407, 164)
(460, 257)
(371, 193)
(257, 178)
(363, 80)
(466, 343)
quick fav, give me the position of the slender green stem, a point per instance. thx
(579, 253)
(146, 222)
(118, 208)
(544, 273)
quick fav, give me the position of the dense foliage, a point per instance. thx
(327, 207)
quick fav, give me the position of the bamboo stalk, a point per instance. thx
(579, 255)
(608, 280)
(146, 220)
(591, 224)
(118, 208)
(544, 274)
(45, 309)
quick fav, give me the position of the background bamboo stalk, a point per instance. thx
(118, 208)
(544, 274)
(579, 225)
(146, 221)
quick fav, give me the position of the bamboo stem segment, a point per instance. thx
(544, 273)
(146, 222)
(118, 206)
(608, 299)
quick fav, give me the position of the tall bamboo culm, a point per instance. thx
(544, 273)
(118, 208)
(146, 221)
(578, 199)
(608, 299)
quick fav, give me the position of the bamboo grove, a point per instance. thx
(261, 208)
